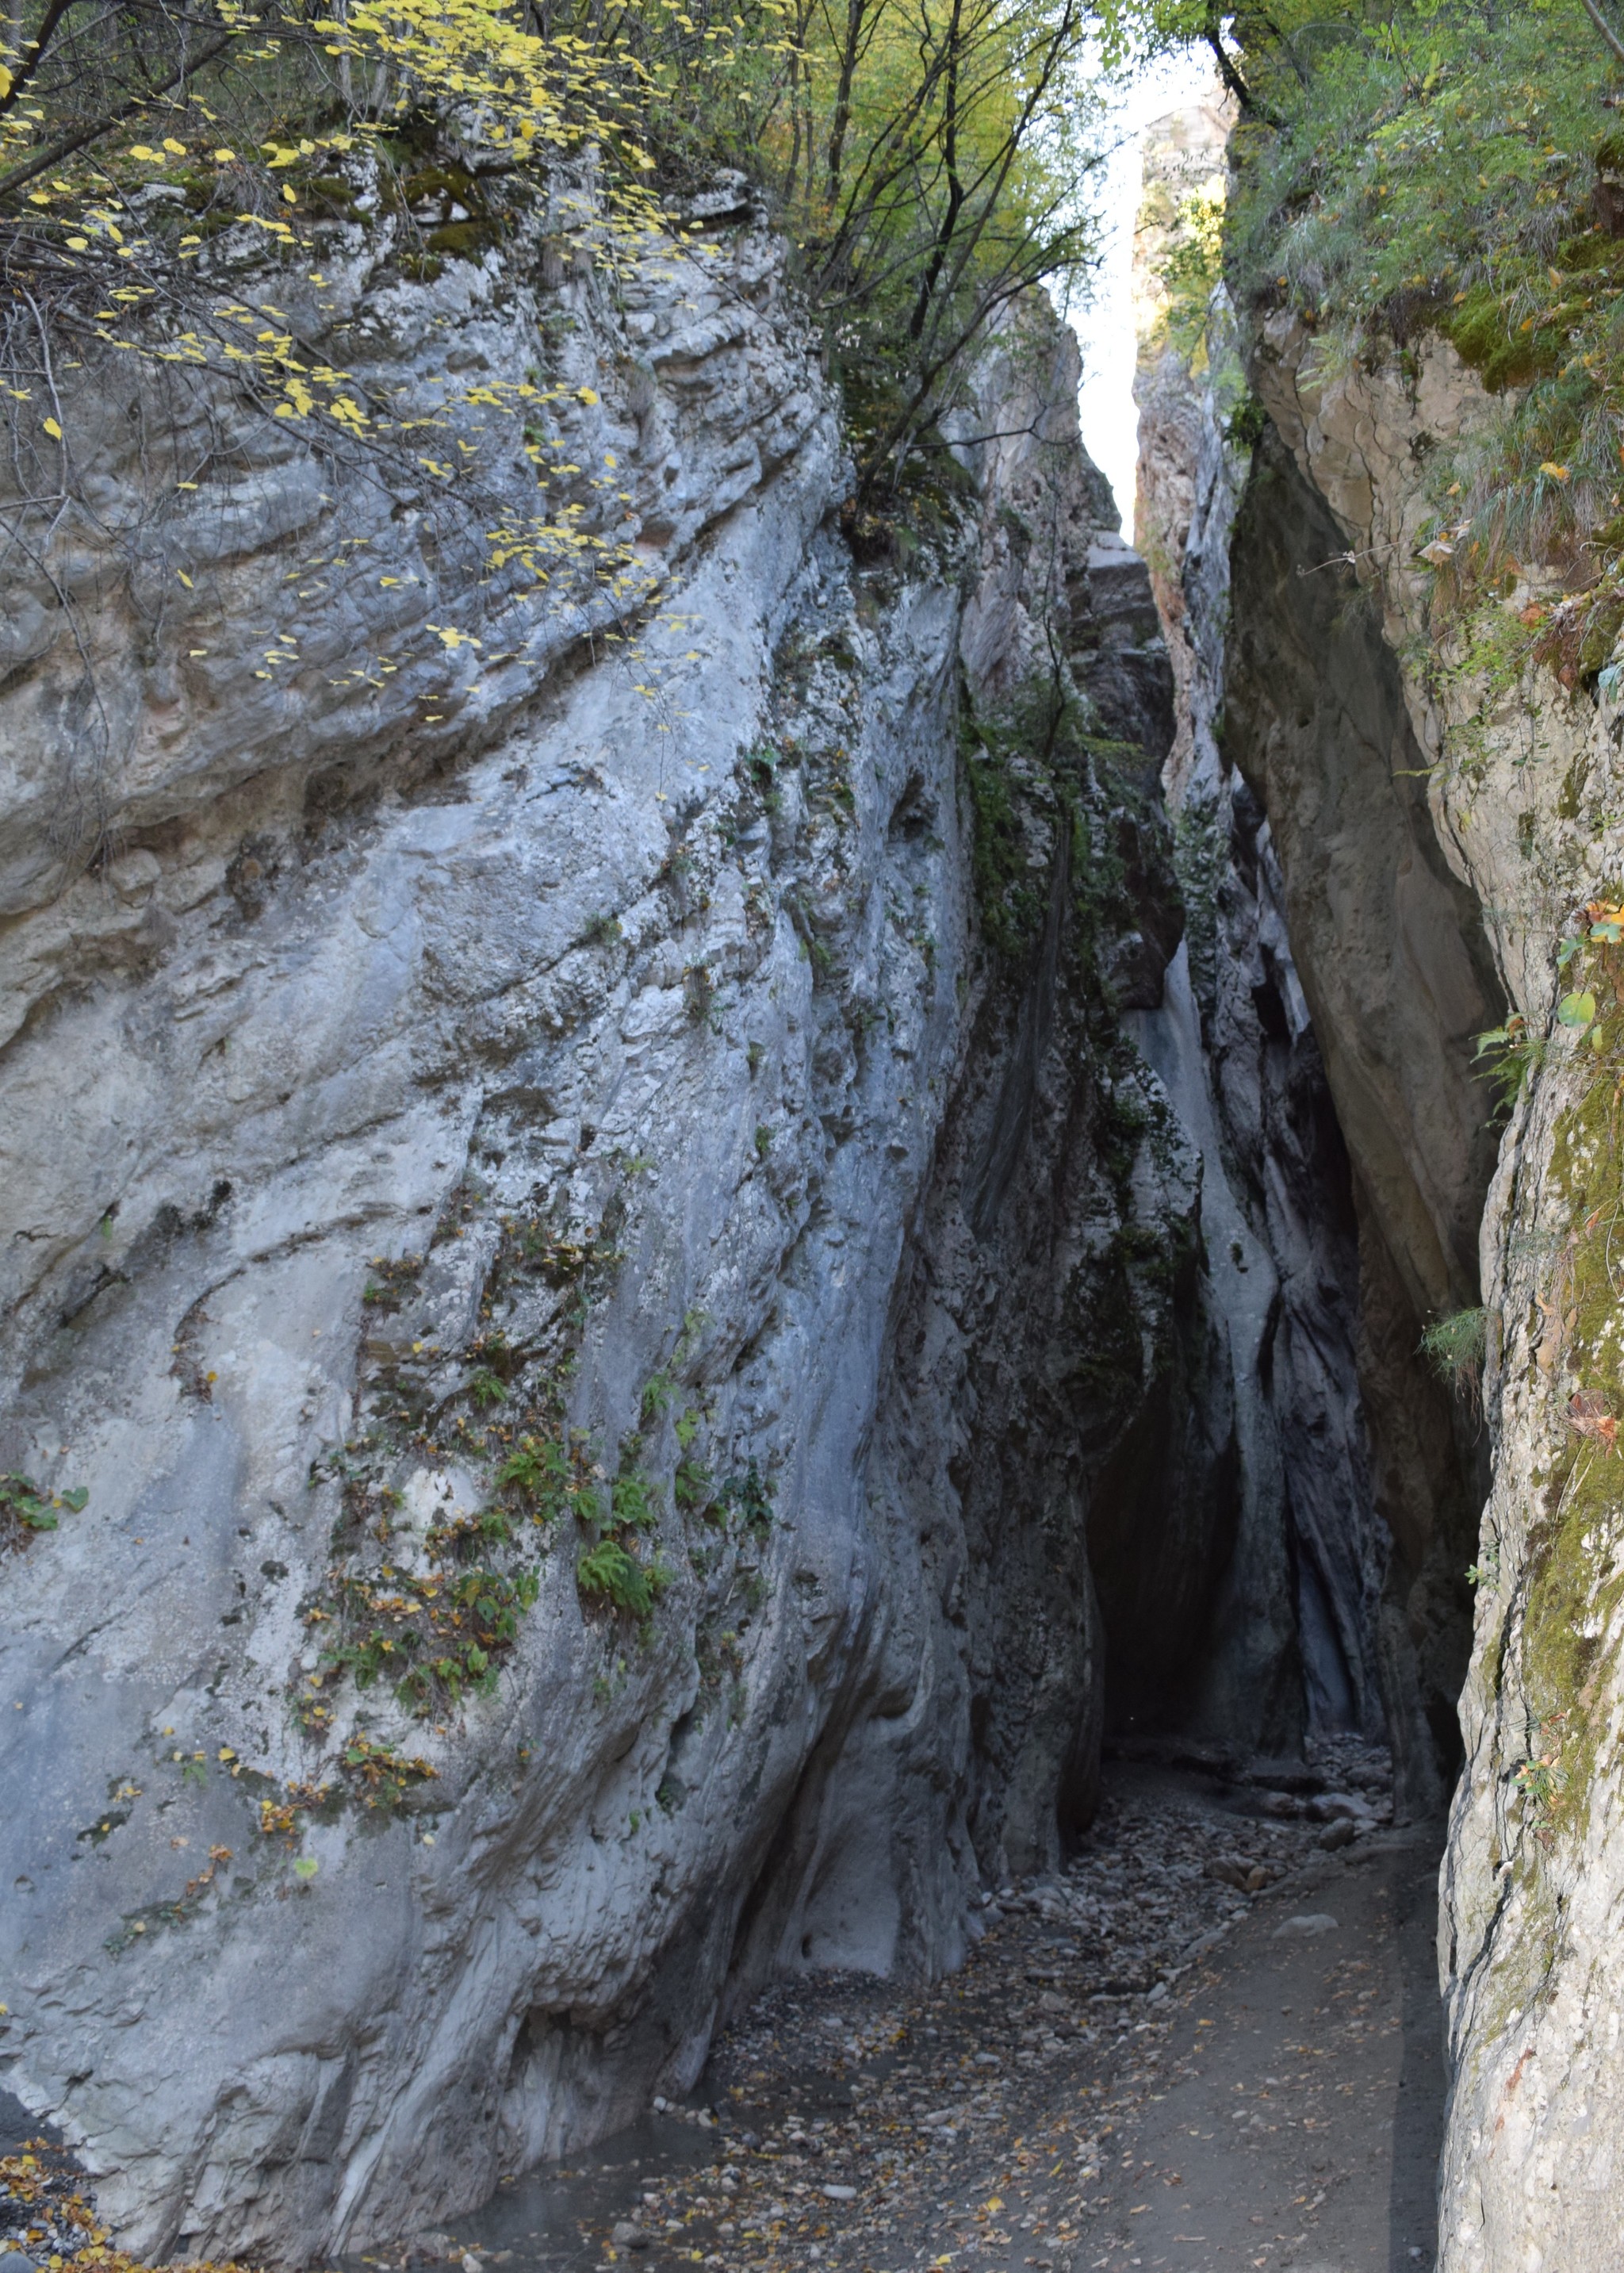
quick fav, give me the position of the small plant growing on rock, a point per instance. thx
(1456, 1345)
(380, 1775)
(609, 1573)
(538, 1470)
(1538, 1779)
(632, 1501)
(26, 1509)
(1486, 1573)
(693, 1481)
(749, 1498)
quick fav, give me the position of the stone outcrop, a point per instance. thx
(501, 1073)
(1438, 833)
(1397, 979)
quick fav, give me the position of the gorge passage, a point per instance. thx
(658, 1284)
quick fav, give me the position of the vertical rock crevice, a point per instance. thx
(858, 1122)
(1396, 972)
(684, 1167)
(1292, 1644)
(1341, 974)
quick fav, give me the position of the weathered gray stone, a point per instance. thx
(1510, 828)
(327, 993)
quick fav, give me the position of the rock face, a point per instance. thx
(587, 1216)
(1437, 836)
(1295, 1621)
(1396, 975)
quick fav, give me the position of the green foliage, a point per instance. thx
(1449, 166)
(539, 1473)
(1508, 1055)
(632, 1503)
(26, 1509)
(691, 1485)
(929, 163)
(928, 160)
(1456, 1347)
(1247, 422)
(1577, 1010)
(748, 1499)
(1190, 271)
(609, 1573)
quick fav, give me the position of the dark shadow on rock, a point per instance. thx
(1423, 2083)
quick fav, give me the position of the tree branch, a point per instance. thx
(1594, 12)
(55, 152)
(36, 50)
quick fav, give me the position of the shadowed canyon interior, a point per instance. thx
(930, 1109)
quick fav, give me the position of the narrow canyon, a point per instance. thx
(683, 1258)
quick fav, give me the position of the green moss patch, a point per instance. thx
(1576, 1570)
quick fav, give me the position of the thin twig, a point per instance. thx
(1594, 12)
(54, 154)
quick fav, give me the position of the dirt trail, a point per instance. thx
(1144, 2065)
(1303, 2133)
(1141, 2067)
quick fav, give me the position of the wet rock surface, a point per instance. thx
(1199, 2024)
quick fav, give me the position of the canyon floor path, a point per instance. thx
(1140, 2066)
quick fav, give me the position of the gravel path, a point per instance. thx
(1194, 2050)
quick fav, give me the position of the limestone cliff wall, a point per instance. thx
(1439, 832)
(445, 1033)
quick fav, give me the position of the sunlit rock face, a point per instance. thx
(440, 1034)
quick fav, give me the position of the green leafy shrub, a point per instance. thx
(609, 1572)
(26, 1509)
(746, 1499)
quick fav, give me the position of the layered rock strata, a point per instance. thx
(581, 1203)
